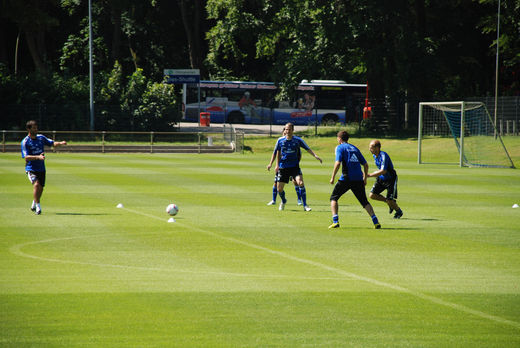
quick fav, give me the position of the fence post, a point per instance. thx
(103, 141)
(3, 141)
(151, 142)
(53, 139)
(199, 142)
(316, 122)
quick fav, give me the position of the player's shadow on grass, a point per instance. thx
(384, 228)
(81, 214)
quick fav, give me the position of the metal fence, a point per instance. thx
(226, 141)
(508, 113)
(405, 114)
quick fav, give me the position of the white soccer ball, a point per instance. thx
(172, 209)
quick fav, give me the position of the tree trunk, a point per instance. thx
(133, 54)
(17, 51)
(34, 44)
(191, 23)
(116, 34)
(3, 44)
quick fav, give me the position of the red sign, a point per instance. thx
(297, 114)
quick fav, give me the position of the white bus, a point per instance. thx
(317, 101)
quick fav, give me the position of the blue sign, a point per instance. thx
(179, 76)
(178, 79)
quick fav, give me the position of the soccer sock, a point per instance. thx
(297, 189)
(303, 194)
(33, 205)
(275, 192)
(335, 218)
(282, 196)
(374, 220)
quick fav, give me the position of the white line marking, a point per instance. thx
(355, 276)
(16, 249)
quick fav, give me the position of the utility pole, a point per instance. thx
(496, 70)
(91, 65)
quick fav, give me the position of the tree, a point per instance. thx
(285, 41)
(425, 49)
(158, 110)
(112, 91)
(34, 19)
(509, 41)
(151, 104)
(191, 12)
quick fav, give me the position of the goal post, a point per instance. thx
(469, 125)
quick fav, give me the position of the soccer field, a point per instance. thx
(233, 272)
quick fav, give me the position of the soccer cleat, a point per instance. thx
(300, 202)
(37, 211)
(334, 225)
(281, 206)
(271, 203)
(390, 210)
(33, 208)
(307, 208)
(398, 214)
(377, 226)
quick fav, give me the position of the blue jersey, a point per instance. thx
(351, 161)
(290, 151)
(383, 161)
(35, 147)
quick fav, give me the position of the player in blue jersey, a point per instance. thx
(350, 159)
(296, 186)
(34, 155)
(386, 179)
(287, 154)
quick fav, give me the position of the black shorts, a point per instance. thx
(389, 185)
(285, 174)
(357, 187)
(36, 176)
(277, 178)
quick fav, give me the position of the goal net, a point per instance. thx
(469, 125)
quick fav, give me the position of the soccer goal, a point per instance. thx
(477, 142)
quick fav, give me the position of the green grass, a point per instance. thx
(234, 272)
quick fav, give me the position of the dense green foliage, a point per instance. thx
(421, 49)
